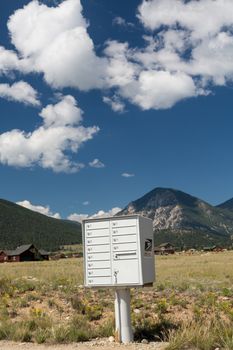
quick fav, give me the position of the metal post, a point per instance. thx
(124, 332)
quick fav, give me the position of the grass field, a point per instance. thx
(190, 305)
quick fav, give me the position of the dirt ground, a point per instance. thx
(93, 345)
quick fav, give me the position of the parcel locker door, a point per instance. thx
(125, 272)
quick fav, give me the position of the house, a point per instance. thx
(27, 252)
(214, 248)
(164, 249)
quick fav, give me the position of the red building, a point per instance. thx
(26, 252)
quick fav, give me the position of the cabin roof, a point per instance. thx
(19, 250)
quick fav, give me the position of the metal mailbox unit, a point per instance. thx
(119, 253)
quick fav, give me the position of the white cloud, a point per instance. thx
(119, 21)
(203, 18)
(86, 203)
(8, 61)
(160, 89)
(39, 208)
(174, 64)
(127, 175)
(99, 214)
(77, 217)
(115, 103)
(20, 92)
(51, 144)
(55, 42)
(96, 163)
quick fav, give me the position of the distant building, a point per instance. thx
(214, 248)
(164, 249)
(26, 252)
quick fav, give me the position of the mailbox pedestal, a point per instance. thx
(119, 253)
(123, 327)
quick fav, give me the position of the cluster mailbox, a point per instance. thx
(118, 251)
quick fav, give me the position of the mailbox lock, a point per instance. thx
(115, 276)
(116, 247)
(115, 239)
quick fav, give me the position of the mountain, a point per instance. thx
(19, 226)
(182, 219)
(226, 205)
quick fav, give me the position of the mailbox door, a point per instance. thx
(126, 271)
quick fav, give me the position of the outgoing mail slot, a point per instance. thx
(124, 246)
(124, 230)
(98, 264)
(99, 273)
(124, 239)
(99, 280)
(97, 233)
(96, 225)
(98, 256)
(98, 248)
(123, 223)
(125, 256)
(98, 240)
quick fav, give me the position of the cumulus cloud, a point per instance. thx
(96, 163)
(39, 208)
(171, 66)
(55, 42)
(174, 64)
(190, 39)
(86, 203)
(127, 174)
(51, 144)
(20, 92)
(99, 214)
(202, 18)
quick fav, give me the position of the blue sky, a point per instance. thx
(102, 101)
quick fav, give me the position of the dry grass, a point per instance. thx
(191, 303)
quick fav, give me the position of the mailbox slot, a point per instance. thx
(98, 256)
(123, 223)
(125, 256)
(102, 248)
(124, 231)
(124, 239)
(96, 225)
(99, 280)
(98, 240)
(97, 233)
(98, 264)
(124, 246)
(99, 273)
